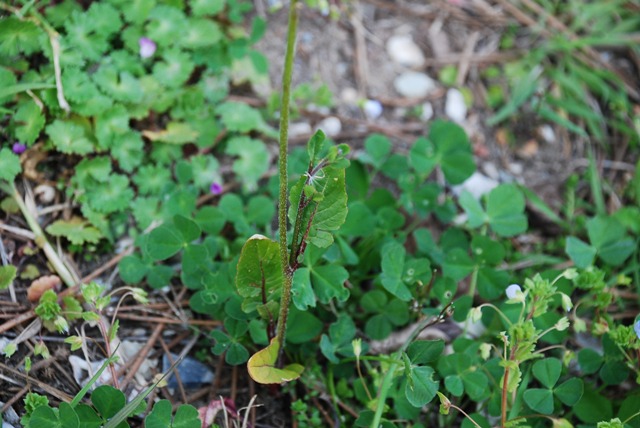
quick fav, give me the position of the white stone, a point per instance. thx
(349, 96)
(516, 168)
(547, 134)
(427, 111)
(455, 107)
(372, 109)
(330, 126)
(478, 185)
(298, 129)
(491, 170)
(404, 51)
(414, 85)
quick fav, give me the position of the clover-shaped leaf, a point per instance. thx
(548, 371)
(341, 332)
(420, 387)
(504, 212)
(160, 416)
(447, 146)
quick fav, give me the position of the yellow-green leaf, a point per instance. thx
(262, 367)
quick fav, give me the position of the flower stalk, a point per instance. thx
(287, 272)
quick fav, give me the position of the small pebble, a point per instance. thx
(192, 372)
(414, 85)
(455, 107)
(330, 125)
(491, 170)
(547, 134)
(404, 51)
(372, 109)
(427, 111)
(299, 129)
(516, 168)
(478, 185)
(349, 96)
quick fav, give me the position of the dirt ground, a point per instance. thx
(349, 54)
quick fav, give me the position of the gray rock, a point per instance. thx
(414, 85)
(297, 129)
(192, 372)
(330, 126)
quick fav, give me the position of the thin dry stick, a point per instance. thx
(463, 67)
(361, 69)
(206, 323)
(175, 372)
(14, 398)
(60, 395)
(487, 58)
(142, 354)
(234, 383)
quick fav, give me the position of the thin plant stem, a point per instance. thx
(387, 381)
(283, 147)
(40, 238)
(465, 415)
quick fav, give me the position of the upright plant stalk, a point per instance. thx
(284, 140)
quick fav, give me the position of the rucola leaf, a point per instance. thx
(259, 276)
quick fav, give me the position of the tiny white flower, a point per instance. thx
(485, 351)
(357, 347)
(513, 290)
(567, 304)
(570, 273)
(475, 314)
(562, 324)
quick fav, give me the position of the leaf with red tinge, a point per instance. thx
(262, 368)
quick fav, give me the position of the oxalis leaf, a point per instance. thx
(259, 272)
(420, 387)
(393, 255)
(447, 146)
(262, 368)
(160, 416)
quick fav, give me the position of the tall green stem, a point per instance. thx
(388, 379)
(41, 240)
(284, 140)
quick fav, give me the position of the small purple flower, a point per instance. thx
(636, 327)
(147, 47)
(216, 188)
(18, 148)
